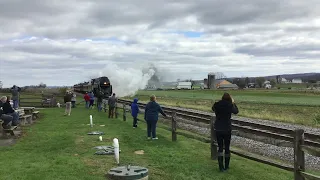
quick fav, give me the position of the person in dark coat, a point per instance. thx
(112, 102)
(6, 118)
(99, 100)
(222, 126)
(151, 115)
(67, 101)
(15, 91)
(8, 110)
(134, 112)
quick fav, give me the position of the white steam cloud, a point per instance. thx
(126, 82)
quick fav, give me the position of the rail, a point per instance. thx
(302, 142)
(249, 127)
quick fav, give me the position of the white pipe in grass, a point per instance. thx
(100, 138)
(91, 124)
(116, 149)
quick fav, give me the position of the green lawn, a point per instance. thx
(293, 107)
(57, 147)
(248, 96)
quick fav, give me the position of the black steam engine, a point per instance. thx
(99, 86)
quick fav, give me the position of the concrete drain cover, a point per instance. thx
(105, 150)
(104, 147)
(128, 172)
(96, 133)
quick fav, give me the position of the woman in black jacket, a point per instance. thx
(223, 110)
(8, 110)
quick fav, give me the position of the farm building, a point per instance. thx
(228, 86)
(284, 80)
(222, 82)
(184, 85)
(297, 81)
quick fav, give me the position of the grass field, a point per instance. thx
(57, 147)
(286, 106)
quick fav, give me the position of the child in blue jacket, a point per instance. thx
(134, 112)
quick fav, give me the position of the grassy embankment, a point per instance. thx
(58, 147)
(299, 107)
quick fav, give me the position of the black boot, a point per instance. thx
(227, 161)
(220, 161)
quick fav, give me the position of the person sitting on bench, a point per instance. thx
(8, 110)
(6, 118)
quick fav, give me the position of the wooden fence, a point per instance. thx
(297, 138)
(40, 100)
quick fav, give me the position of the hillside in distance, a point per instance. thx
(303, 76)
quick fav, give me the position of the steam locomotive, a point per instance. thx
(99, 86)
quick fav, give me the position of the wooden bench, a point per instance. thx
(24, 117)
(35, 114)
(31, 111)
(5, 131)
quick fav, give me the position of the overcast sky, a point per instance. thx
(64, 42)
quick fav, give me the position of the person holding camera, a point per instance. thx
(222, 126)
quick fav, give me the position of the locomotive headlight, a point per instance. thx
(104, 83)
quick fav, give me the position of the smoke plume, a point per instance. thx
(126, 81)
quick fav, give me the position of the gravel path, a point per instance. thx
(257, 147)
(308, 129)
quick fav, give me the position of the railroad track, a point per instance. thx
(241, 125)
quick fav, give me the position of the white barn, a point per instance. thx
(184, 85)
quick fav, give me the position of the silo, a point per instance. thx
(205, 83)
(211, 81)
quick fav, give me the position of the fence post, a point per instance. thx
(174, 126)
(299, 161)
(214, 151)
(124, 112)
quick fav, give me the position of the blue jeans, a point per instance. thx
(151, 128)
(6, 118)
(15, 104)
(99, 104)
(87, 104)
(135, 121)
(15, 116)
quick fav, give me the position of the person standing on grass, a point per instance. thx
(99, 101)
(67, 101)
(15, 92)
(87, 99)
(91, 95)
(151, 116)
(73, 100)
(222, 126)
(134, 112)
(112, 102)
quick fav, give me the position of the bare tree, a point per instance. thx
(219, 75)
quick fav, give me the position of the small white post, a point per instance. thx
(91, 123)
(116, 150)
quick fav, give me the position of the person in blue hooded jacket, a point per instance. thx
(151, 115)
(134, 112)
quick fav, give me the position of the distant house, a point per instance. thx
(267, 84)
(251, 85)
(297, 81)
(284, 80)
